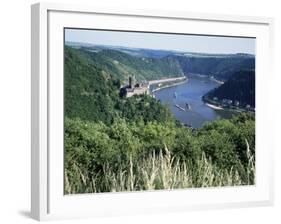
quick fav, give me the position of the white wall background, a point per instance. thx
(15, 110)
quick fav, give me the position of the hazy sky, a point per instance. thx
(189, 43)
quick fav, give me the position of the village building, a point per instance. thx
(229, 102)
(236, 103)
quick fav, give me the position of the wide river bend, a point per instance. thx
(189, 94)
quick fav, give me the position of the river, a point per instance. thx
(191, 92)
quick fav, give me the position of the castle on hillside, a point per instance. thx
(134, 89)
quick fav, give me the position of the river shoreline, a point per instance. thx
(219, 106)
(169, 86)
(158, 81)
(217, 81)
(174, 82)
(214, 106)
(212, 78)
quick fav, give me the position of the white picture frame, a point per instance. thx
(47, 199)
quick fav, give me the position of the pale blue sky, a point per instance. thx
(188, 43)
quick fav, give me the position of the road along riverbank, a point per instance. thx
(167, 83)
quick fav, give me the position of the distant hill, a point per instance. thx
(148, 64)
(222, 67)
(122, 65)
(240, 87)
(154, 53)
(136, 52)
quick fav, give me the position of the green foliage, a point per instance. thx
(94, 151)
(90, 95)
(224, 141)
(155, 172)
(144, 108)
(186, 145)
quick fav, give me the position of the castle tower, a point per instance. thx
(131, 82)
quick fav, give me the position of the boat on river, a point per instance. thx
(188, 107)
(178, 106)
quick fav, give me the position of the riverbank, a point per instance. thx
(158, 81)
(214, 106)
(220, 106)
(216, 80)
(172, 82)
(212, 78)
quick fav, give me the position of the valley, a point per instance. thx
(136, 119)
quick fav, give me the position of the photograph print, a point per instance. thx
(148, 111)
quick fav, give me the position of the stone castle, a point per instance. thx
(134, 89)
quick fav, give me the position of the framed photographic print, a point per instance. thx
(148, 111)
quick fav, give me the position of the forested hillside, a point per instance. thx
(221, 67)
(92, 93)
(120, 65)
(239, 87)
(148, 64)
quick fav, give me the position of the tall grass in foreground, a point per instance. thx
(157, 171)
